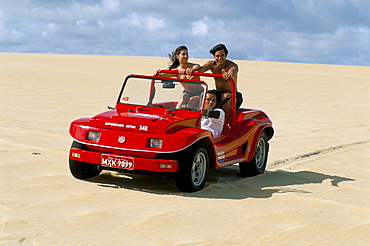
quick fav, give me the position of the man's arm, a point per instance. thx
(206, 66)
(231, 72)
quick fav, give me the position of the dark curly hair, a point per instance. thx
(218, 48)
(216, 93)
(174, 62)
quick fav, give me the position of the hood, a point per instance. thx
(139, 122)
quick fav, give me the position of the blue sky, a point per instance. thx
(303, 31)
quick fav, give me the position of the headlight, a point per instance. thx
(93, 136)
(155, 143)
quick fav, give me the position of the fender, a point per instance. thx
(256, 136)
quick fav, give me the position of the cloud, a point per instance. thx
(332, 32)
(199, 27)
(111, 4)
(149, 23)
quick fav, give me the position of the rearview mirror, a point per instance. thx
(213, 114)
(168, 85)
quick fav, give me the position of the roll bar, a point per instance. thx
(213, 75)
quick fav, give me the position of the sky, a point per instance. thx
(299, 31)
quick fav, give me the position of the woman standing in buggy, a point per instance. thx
(192, 92)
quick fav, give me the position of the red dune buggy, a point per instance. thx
(148, 131)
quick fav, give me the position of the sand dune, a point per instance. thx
(315, 190)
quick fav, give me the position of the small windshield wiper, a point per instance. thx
(187, 108)
(142, 107)
(160, 106)
(152, 106)
(178, 110)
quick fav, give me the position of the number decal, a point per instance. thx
(143, 128)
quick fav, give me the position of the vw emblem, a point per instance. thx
(121, 139)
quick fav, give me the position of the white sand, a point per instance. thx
(316, 190)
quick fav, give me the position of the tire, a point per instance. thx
(82, 170)
(258, 164)
(193, 169)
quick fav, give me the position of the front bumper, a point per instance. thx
(147, 164)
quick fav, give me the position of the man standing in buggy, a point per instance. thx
(229, 69)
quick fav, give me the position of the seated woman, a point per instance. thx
(214, 125)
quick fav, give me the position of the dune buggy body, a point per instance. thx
(148, 131)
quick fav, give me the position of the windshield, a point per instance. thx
(165, 93)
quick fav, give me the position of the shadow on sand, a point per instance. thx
(224, 183)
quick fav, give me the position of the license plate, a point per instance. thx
(117, 161)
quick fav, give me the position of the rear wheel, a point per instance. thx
(193, 169)
(258, 164)
(82, 170)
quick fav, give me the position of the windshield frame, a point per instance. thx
(148, 96)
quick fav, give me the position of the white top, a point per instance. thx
(214, 125)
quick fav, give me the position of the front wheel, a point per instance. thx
(258, 164)
(193, 169)
(82, 170)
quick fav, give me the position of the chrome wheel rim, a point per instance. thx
(260, 154)
(198, 170)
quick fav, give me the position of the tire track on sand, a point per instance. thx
(292, 160)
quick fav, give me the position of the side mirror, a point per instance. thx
(213, 114)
